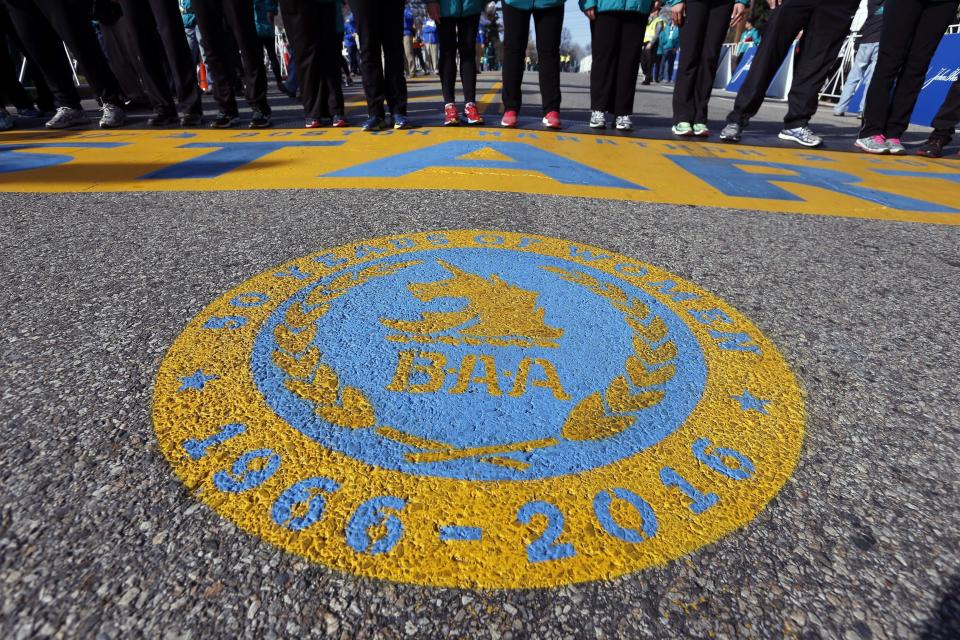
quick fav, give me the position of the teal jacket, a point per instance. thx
(669, 38)
(260, 10)
(670, 3)
(530, 5)
(458, 8)
(640, 6)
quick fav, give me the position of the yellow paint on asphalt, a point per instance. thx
(536, 162)
(605, 415)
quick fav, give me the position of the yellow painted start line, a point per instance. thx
(535, 162)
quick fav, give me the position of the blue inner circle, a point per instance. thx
(591, 352)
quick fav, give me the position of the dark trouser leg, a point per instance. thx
(45, 101)
(180, 59)
(718, 22)
(605, 39)
(237, 14)
(395, 59)
(147, 53)
(311, 28)
(466, 37)
(549, 27)
(822, 39)
(949, 114)
(369, 14)
(71, 20)
(269, 44)
(218, 55)
(44, 46)
(632, 25)
(933, 22)
(11, 91)
(447, 35)
(786, 22)
(516, 30)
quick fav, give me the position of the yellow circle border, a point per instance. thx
(770, 435)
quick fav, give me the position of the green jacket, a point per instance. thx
(530, 5)
(640, 6)
(458, 8)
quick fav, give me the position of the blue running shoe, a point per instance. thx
(374, 123)
(400, 122)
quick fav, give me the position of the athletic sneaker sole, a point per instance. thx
(598, 126)
(873, 152)
(685, 134)
(784, 136)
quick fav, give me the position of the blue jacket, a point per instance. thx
(428, 33)
(260, 10)
(669, 38)
(187, 14)
(640, 6)
(458, 8)
(408, 21)
(530, 5)
(350, 32)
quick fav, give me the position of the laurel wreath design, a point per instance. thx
(600, 416)
(596, 417)
(307, 376)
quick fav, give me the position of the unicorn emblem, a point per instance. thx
(497, 313)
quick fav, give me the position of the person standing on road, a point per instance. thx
(667, 52)
(429, 35)
(704, 26)
(912, 29)
(311, 27)
(214, 17)
(547, 18)
(748, 39)
(380, 27)
(408, 34)
(264, 12)
(824, 24)
(43, 27)
(458, 22)
(350, 44)
(863, 62)
(161, 45)
(651, 38)
(616, 35)
(944, 124)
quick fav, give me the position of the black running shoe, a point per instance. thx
(932, 148)
(225, 120)
(188, 120)
(260, 120)
(162, 119)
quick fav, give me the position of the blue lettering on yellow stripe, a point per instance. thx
(669, 288)
(726, 176)
(524, 157)
(13, 157)
(730, 341)
(953, 176)
(227, 156)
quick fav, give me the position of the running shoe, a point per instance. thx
(188, 120)
(552, 120)
(896, 147)
(701, 130)
(112, 116)
(29, 112)
(312, 123)
(598, 120)
(472, 114)
(400, 122)
(682, 129)
(932, 148)
(339, 121)
(6, 120)
(732, 132)
(509, 119)
(163, 119)
(260, 119)
(873, 144)
(624, 123)
(450, 115)
(802, 136)
(225, 120)
(374, 123)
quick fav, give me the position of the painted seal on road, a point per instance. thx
(478, 408)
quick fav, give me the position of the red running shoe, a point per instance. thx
(339, 121)
(450, 115)
(313, 123)
(473, 116)
(552, 120)
(509, 119)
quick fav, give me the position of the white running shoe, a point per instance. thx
(112, 117)
(598, 120)
(67, 117)
(624, 123)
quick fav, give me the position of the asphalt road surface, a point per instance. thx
(100, 538)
